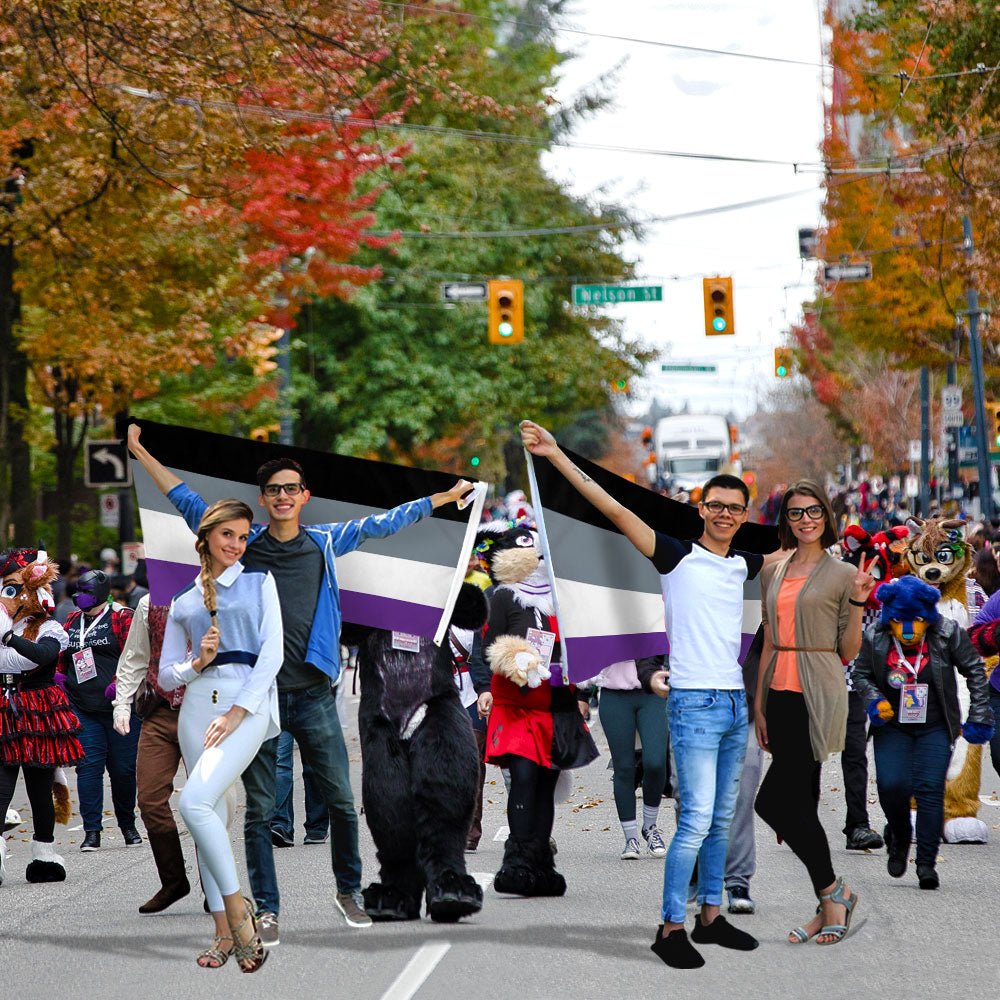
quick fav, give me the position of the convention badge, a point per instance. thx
(913, 702)
(543, 642)
(176, 697)
(405, 642)
(897, 678)
(84, 665)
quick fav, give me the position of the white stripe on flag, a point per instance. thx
(588, 609)
(169, 538)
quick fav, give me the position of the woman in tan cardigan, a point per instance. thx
(811, 607)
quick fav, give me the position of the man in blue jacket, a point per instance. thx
(302, 561)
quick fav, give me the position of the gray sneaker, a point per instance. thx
(631, 851)
(654, 841)
(267, 928)
(352, 906)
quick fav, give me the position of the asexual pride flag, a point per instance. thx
(609, 603)
(407, 582)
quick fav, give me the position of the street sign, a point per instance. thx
(951, 397)
(110, 510)
(914, 453)
(952, 418)
(867, 453)
(599, 295)
(912, 487)
(132, 552)
(848, 272)
(463, 291)
(688, 368)
(968, 451)
(106, 464)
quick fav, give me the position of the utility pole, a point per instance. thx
(978, 381)
(953, 482)
(925, 440)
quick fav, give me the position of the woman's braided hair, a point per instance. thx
(218, 513)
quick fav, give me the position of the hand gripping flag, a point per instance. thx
(407, 582)
(609, 602)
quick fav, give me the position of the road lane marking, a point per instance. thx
(502, 834)
(416, 971)
(483, 879)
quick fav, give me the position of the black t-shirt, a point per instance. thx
(297, 567)
(106, 647)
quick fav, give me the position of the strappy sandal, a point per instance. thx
(838, 931)
(801, 935)
(214, 957)
(253, 952)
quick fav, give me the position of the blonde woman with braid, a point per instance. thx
(224, 642)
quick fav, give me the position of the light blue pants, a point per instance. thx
(210, 773)
(708, 736)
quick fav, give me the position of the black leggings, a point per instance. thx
(788, 800)
(38, 782)
(531, 809)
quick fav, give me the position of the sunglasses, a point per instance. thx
(275, 489)
(814, 512)
(717, 507)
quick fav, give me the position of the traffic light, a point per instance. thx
(782, 362)
(992, 424)
(620, 385)
(506, 309)
(718, 293)
(474, 461)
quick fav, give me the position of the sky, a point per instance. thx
(723, 105)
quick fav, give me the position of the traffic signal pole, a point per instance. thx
(978, 382)
(925, 441)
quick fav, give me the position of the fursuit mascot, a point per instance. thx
(37, 726)
(936, 553)
(906, 673)
(535, 728)
(420, 768)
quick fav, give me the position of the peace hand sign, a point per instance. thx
(864, 582)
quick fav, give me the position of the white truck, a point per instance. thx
(691, 448)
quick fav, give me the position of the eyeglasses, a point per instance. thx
(814, 512)
(292, 489)
(717, 507)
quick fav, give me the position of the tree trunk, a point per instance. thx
(66, 450)
(17, 500)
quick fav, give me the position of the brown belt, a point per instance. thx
(802, 649)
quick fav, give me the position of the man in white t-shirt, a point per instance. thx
(703, 595)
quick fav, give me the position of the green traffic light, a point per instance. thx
(781, 371)
(505, 329)
(474, 461)
(719, 324)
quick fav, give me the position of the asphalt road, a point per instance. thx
(85, 938)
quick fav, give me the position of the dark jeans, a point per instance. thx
(311, 717)
(623, 714)
(995, 742)
(531, 809)
(788, 800)
(854, 763)
(106, 749)
(913, 765)
(317, 815)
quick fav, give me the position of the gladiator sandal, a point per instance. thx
(214, 957)
(251, 955)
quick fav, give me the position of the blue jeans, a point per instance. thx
(106, 749)
(708, 734)
(311, 718)
(317, 815)
(911, 764)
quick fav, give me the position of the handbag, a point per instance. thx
(146, 699)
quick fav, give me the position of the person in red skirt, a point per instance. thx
(37, 727)
(535, 725)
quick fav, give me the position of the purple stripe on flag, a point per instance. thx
(589, 654)
(167, 578)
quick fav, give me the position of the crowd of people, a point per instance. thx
(246, 662)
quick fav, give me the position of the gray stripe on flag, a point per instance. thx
(432, 540)
(586, 554)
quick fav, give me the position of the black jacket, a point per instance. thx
(950, 649)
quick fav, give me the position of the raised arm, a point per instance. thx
(165, 480)
(540, 442)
